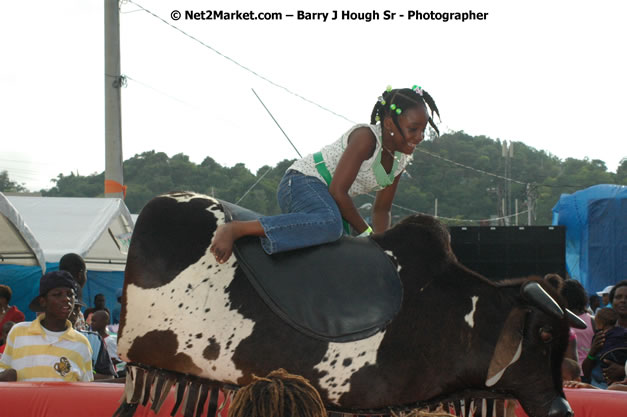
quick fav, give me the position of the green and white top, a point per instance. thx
(371, 175)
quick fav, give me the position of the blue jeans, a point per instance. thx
(311, 216)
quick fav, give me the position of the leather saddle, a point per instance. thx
(342, 291)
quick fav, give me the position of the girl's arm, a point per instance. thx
(381, 217)
(360, 147)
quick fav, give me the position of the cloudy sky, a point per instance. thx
(549, 74)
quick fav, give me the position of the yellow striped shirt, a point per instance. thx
(37, 357)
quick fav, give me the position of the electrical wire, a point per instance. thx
(298, 95)
(338, 115)
(236, 62)
(253, 186)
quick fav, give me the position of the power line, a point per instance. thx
(315, 104)
(451, 218)
(298, 95)
(469, 167)
(157, 90)
(253, 186)
(236, 62)
(277, 123)
(370, 195)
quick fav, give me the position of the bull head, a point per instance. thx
(509, 345)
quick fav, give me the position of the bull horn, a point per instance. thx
(534, 293)
(575, 321)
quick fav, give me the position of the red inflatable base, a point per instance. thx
(75, 399)
(593, 403)
(97, 399)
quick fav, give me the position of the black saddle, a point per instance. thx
(340, 292)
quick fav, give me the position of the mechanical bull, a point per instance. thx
(442, 333)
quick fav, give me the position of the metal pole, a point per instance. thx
(528, 205)
(114, 179)
(516, 210)
(436, 208)
(510, 155)
(504, 215)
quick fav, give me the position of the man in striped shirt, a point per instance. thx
(48, 349)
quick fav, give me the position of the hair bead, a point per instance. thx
(405, 97)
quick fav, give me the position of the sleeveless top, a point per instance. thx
(584, 337)
(371, 175)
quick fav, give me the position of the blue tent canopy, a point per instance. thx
(24, 283)
(36, 231)
(596, 234)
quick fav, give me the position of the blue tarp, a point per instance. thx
(596, 234)
(24, 283)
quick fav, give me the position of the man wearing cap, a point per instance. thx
(605, 296)
(56, 352)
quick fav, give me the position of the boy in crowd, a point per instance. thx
(58, 352)
(99, 322)
(100, 360)
(570, 370)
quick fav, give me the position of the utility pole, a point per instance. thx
(508, 154)
(530, 204)
(114, 179)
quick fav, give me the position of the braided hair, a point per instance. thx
(403, 98)
(279, 394)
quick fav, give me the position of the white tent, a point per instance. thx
(98, 229)
(18, 245)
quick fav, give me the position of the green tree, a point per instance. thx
(455, 168)
(10, 186)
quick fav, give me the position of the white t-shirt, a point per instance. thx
(112, 347)
(366, 180)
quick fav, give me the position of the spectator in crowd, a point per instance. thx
(4, 332)
(75, 265)
(56, 351)
(279, 394)
(101, 361)
(617, 386)
(594, 304)
(99, 304)
(591, 368)
(606, 320)
(576, 300)
(99, 322)
(605, 296)
(556, 281)
(570, 370)
(614, 350)
(618, 300)
(7, 311)
(115, 314)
